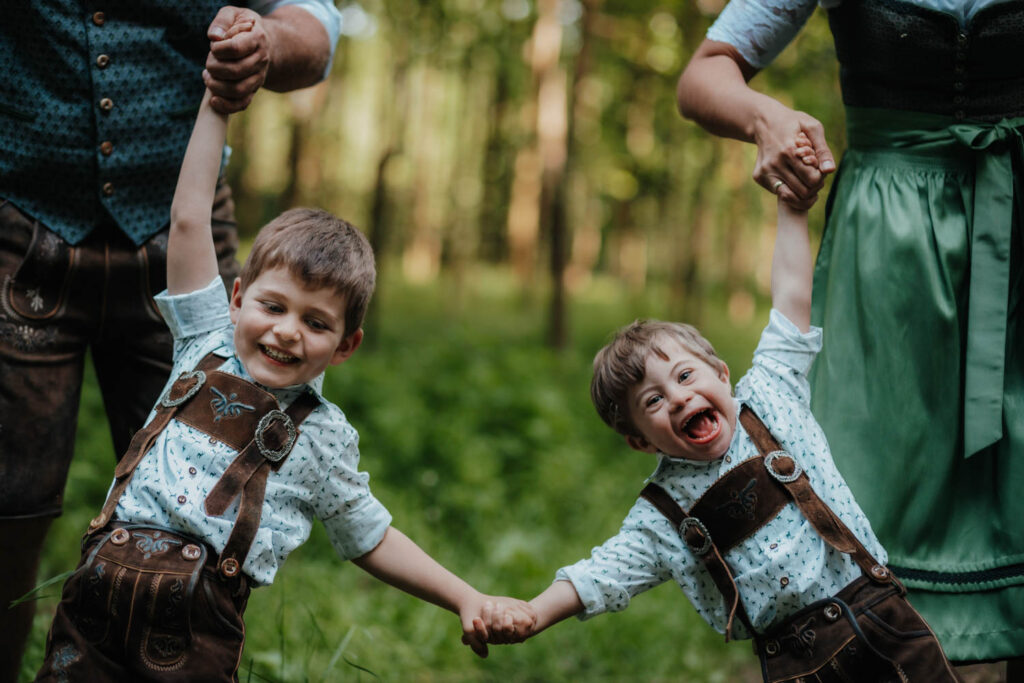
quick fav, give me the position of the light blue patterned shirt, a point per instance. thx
(785, 565)
(319, 479)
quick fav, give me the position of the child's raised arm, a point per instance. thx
(792, 267)
(401, 563)
(792, 264)
(191, 258)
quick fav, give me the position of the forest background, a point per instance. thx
(528, 186)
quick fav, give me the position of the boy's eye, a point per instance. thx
(271, 307)
(316, 324)
(684, 375)
(652, 400)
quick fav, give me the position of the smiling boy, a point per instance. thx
(239, 456)
(746, 511)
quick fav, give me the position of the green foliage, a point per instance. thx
(485, 448)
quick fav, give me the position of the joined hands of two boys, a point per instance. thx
(501, 621)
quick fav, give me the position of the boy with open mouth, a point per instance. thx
(746, 510)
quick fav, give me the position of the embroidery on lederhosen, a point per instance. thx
(227, 406)
(153, 545)
(800, 640)
(741, 503)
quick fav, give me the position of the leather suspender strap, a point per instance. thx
(828, 525)
(742, 501)
(180, 392)
(696, 536)
(247, 475)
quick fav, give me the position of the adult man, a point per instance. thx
(96, 106)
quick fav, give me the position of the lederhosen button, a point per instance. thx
(191, 552)
(832, 611)
(229, 567)
(119, 537)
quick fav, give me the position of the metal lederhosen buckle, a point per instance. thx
(265, 424)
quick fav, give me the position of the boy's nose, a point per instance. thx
(678, 399)
(286, 330)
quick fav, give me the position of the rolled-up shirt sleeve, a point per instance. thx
(625, 565)
(194, 313)
(761, 29)
(324, 11)
(787, 354)
(355, 520)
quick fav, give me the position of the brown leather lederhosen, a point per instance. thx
(151, 603)
(866, 632)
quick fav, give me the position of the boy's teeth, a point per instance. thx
(277, 355)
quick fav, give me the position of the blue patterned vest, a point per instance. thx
(97, 101)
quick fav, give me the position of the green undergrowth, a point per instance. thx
(482, 443)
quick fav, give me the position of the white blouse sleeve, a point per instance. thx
(761, 29)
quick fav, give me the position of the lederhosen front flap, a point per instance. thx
(746, 498)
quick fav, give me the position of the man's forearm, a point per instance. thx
(300, 49)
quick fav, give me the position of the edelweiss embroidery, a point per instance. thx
(227, 406)
(741, 503)
(153, 545)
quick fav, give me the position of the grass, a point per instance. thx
(483, 445)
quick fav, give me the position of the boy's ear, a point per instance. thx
(723, 373)
(641, 444)
(347, 347)
(236, 299)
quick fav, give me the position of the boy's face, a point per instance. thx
(287, 334)
(683, 406)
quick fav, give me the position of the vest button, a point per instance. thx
(106, 104)
(102, 61)
(98, 18)
(106, 147)
(108, 189)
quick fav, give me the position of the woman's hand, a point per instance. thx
(781, 167)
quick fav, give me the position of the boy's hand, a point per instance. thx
(498, 620)
(239, 58)
(803, 150)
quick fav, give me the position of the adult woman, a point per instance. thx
(920, 386)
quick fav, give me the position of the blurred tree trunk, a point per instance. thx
(421, 259)
(557, 178)
(552, 148)
(304, 160)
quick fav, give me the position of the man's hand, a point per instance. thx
(240, 56)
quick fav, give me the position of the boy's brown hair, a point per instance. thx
(320, 250)
(621, 365)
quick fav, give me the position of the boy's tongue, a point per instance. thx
(701, 426)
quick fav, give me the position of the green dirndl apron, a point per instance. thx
(920, 384)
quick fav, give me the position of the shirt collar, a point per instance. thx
(225, 348)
